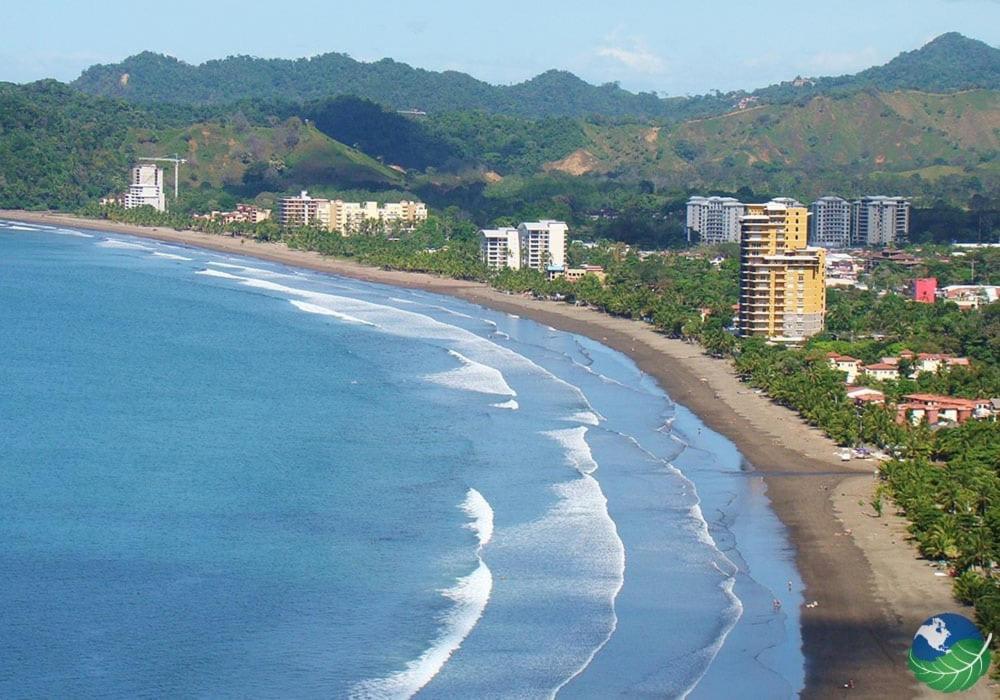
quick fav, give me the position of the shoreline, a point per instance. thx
(871, 593)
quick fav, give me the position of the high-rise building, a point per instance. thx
(782, 285)
(146, 188)
(303, 210)
(714, 219)
(543, 245)
(500, 248)
(830, 223)
(880, 221)
(534, 245)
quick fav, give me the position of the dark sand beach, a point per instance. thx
(871, 588)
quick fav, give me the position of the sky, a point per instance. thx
(663, 46)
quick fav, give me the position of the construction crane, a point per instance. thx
(177, 166)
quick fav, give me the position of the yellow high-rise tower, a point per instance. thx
(782, 280)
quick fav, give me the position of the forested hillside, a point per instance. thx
(949, 63)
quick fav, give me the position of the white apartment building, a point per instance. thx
(830, 223)
(535, 245)
(543, 245)
(303, 210)
(146, 188)
(714, 219)
(880, 221)
(501, 248)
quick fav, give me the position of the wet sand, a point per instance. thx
(871, 588)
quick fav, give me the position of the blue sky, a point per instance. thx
(665, 46)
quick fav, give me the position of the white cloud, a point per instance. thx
(634, 55)
(838, 62)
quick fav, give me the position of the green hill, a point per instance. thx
(912, 142)
(947, 64)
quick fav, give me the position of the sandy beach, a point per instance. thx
(871, 588)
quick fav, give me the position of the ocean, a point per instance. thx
(223, 477)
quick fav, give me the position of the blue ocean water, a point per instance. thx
(222, 477)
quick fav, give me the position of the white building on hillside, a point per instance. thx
(146, 188)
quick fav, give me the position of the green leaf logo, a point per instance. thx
(964, 664)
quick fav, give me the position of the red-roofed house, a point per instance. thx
(934, 408)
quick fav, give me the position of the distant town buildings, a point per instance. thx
(146, 188)
(782, 289)
(534, 245)
(971, 296)
(714, 220)
(348, 217)
(830, 223)
(835, 222)
(880, 221)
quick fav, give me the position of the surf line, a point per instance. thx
(470, 595)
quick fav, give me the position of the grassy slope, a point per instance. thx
(825, 140)
(220, 154)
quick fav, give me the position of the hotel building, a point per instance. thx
(303, 210)
(714, 219)
(782, 285)
(880, 221)
(830, 223)
(146, 188)
(535, 245)
(500, 248)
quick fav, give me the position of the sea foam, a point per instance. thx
(470, 594)
(323, 311)
(472, 376)
(170, 256)
(124, 245)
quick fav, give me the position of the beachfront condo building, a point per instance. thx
(500, 248)
(349, 217)
(782, 279)
(146, 188)
(543, 246)
(830, 223)
(713, 220)
(303, 210)
(880, 221)
(534, 245)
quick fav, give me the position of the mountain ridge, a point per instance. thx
(948, 63)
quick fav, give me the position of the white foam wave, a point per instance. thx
(574, 442)
(512, 405)
(322, 310)
(470, 595)
(124, 245)
(472, 376)
(70, 232)
(578, 530)
(584, 417)
(18, 227)
(411, 324)
(170, 256)
(245, 268)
